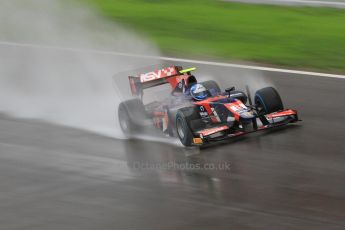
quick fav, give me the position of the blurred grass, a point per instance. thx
(299, 37)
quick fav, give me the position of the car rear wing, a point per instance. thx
(155, 78)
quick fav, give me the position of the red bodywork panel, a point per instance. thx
(235, 107)
(210, 131)
(206, 105)
(170, 75)
(158, 74)
(283, 113)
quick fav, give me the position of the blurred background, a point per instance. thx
(295, 34)
(65, 164)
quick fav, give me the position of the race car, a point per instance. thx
(200, 112)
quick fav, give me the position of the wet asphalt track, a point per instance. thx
(52, 177)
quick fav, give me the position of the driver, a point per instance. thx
(191, 89)
(199, 92)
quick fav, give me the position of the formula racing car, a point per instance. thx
(200, 112)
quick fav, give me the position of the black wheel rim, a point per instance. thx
(259, 107)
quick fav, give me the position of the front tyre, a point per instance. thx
(267, 100)
(182, 128)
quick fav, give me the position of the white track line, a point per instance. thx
(222, 64)
(261, 68)
(327, 3)
(294, 2)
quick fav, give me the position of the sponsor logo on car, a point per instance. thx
(162, 73)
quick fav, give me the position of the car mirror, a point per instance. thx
(228, 90)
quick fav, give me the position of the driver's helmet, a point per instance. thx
(198, 92)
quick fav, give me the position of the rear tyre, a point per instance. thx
(132, 116)
(267, 100)
(187, 120)
(212, 87)
(170, 129)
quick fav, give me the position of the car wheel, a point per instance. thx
(124, 121)
(267, 100)
(131, 116)
(182, 128)
(212, 87)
